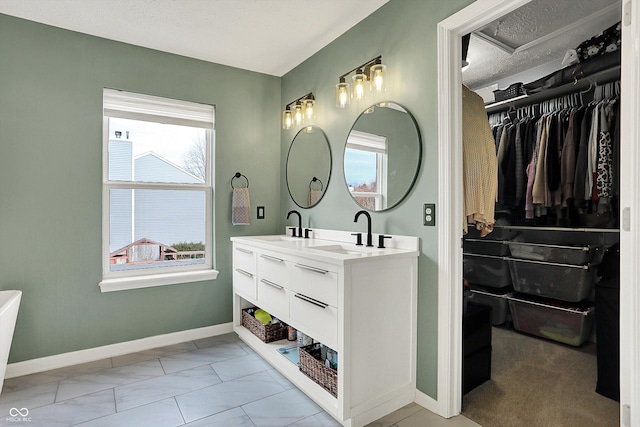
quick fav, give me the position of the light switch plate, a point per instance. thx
(260, 212)
(429, 214)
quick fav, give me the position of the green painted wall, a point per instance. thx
(404, 33)
(51, 83)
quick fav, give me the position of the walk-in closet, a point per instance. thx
(541, 141)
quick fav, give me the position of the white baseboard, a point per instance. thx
(427, 402)
(56, 361)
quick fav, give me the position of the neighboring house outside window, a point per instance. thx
(157, 191)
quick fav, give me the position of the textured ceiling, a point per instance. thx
(529, 24)
(267, 36)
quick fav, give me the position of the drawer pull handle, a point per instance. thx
(246, 273)
(312, 301)
(315, 270)
(271, 258)
(246, 251)
(273, 285)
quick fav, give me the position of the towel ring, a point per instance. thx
(238, 175)
(315, 180)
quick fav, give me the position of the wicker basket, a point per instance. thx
(312, 366)
(266, 333)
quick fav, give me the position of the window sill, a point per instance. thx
(125, 283)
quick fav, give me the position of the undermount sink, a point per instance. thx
(276, 238)
(342, 249)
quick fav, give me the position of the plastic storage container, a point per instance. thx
(487, 270)
(485, 247)
(494, 298)
(565, 282)
(552, 253)
(552, 319)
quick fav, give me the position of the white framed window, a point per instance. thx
(365, 160)
(157, 193)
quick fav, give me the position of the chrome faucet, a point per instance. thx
(369, 236)
(299, 223)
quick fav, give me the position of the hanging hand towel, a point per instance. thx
(240, 207)
(314, 196)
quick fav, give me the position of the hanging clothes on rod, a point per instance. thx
(558, 160)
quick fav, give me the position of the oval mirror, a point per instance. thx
(382, 156)
(308, 166)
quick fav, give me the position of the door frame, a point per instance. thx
(450, 190)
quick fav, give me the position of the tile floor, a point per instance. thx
(217, 381)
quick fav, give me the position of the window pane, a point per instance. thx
(156, 228)
(361, 170)
(156, 152)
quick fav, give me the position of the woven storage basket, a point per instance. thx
(312, 366)
(266, 333)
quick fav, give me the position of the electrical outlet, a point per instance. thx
(429, 214)
(260, 213)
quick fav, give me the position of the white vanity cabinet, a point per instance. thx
(359, 301)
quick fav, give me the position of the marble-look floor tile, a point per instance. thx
(281, 409)
(205, 356)
(74, 411)
(29, 398)
(232, 418)
(321, 419)
(160, 388)
(280, 379)
(227, 395)
(154, 353)
(240, 366)
(109, 378)
(394, 417)
(164, 413)
(218, 340)
(27, 381)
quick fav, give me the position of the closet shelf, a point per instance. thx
(577, 229)
(583, 84)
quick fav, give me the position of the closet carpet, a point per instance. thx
(536, 382)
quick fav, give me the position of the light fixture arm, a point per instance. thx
(302, 98)
(366, 65)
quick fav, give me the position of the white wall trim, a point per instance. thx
(630, 203)
(56, 361)
(426, 401)
(450, 190)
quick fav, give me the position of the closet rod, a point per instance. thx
(606, 76)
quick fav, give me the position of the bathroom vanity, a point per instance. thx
(359, 301)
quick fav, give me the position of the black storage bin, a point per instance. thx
(607, 305)
(497, 299)
(487, 270)
(476, 346)
(485, 247)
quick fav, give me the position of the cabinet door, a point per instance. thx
(274, 269)
(244, 271)
(317, 282)
(273, 297)
(316, 318)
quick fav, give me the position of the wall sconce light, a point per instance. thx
(299, 111)
(369, 75)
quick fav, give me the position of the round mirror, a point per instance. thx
(382, 156)
(308, 166)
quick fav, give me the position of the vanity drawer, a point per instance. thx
(274, 269)
(244, 282)
(274, 297)
(315, 282)
(244, 258)
(316, 318)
